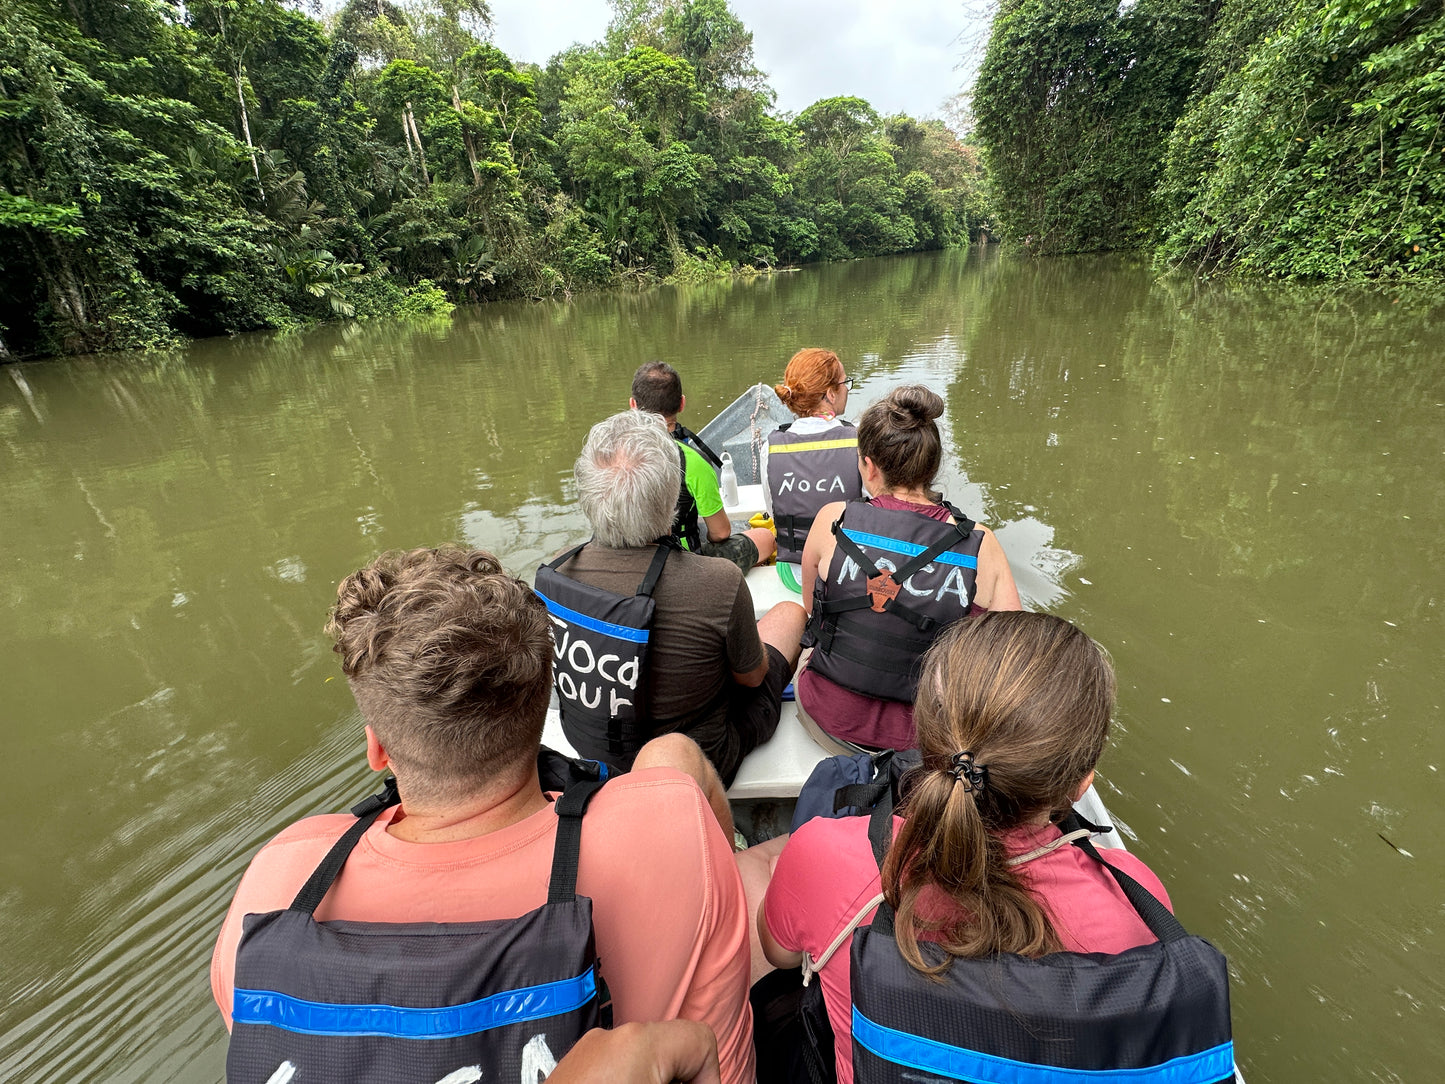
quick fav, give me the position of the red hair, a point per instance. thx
(807, 379)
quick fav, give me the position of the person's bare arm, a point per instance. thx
(776, 954)
(996, 588)
(818, 549)
(719, 527)
(637, 1053)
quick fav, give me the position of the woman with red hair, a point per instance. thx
(814, 460)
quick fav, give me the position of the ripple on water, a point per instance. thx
(157, 918)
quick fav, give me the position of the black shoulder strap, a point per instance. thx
(654, 570)
(1162, 924)
(880, 836)
(923, 622)
(564, 558)
(683, 433)
(964, 524)
(325, 874)
(568, 848)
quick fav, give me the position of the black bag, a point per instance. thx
(792, 1035)
(1155, 1014)
(600, 646)
(411, 1003)
(845, 786)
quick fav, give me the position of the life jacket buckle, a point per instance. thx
(881, 590)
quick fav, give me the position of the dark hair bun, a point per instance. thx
(913, 406)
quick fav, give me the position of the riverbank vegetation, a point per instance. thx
(177, 170)
(1301, 139)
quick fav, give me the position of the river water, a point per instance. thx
(1239, 490)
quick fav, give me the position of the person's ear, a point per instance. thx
(632, 403)
(1084, 786)
(375, 753)
(683, 405)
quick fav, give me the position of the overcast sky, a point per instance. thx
(901, 55)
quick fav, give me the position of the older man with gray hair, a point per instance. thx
(668, 642)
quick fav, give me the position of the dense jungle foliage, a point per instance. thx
(171, 170)
(1293, 138)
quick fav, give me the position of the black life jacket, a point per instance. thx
(686, 527)
(686, 530)
(805, 472)
(896, 580)
(417, 1002)
(1154, 1014)
(600, 643)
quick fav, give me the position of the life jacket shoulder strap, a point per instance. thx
(923, 622)
(1161, 922)
(654, 570)
(325, 874)
(684, 435)
(567, 849)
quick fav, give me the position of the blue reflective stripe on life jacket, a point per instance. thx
(957, 1063)
(593, 624)
(399, 1022)
(910, 549)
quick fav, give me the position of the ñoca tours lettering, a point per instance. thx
(804, 485)
(583, 675)
(538, 1063)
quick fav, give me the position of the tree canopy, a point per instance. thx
(174, 170)
(1292, 138)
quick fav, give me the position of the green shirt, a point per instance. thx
(701, 481)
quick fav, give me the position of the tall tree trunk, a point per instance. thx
(467, 138)
(406, 134)
(420, 153)
(246, 130)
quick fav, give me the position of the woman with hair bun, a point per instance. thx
(884, 575)
(1012, 715)
(814, 460)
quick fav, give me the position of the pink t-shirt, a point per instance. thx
(852, 716)
(668, 911)
(827, 872)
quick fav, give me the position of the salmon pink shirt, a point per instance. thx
(668, 911)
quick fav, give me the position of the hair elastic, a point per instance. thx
(972, 776)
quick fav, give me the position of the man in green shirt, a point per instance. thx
(702, 524)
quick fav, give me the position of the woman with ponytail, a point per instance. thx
(884, 575)
(1012, 714)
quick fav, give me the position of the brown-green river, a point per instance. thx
(1239, 490)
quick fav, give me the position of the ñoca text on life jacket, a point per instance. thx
(896, 580)
(600, 644)
(805, 472)
(417, 1003)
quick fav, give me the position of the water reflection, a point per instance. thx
(1238, 490)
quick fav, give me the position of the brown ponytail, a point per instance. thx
(1028, 696)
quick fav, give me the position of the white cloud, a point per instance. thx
(902, 56)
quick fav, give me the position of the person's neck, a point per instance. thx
(486, 813)
(912, 496)
(826, 415)
(671, 423)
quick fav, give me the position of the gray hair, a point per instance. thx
(628, 479)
